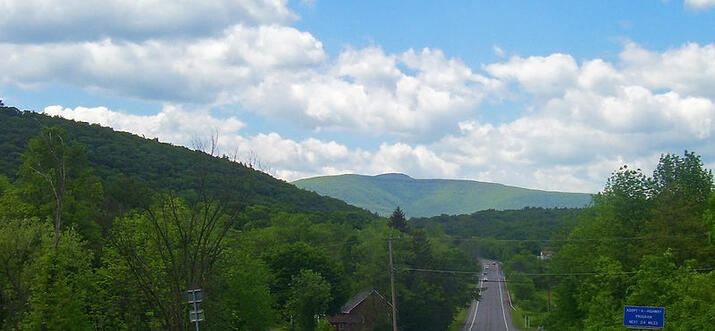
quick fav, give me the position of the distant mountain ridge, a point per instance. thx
(432, 197)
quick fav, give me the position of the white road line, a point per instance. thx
(476, 309)
(501, 303)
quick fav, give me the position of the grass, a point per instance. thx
(459, 319)
(535, 318)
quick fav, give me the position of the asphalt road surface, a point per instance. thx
(492, 312)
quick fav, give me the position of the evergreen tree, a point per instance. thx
(398, 221)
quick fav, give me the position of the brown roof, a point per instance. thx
(358, 299)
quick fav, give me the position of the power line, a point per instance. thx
(595, 273)
(458, 272)
(478, 239)
(454, 272)
(700, 235)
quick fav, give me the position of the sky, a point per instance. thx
(552, 95)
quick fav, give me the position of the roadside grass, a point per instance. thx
(537, 317)
(517, 317)
(459, 319)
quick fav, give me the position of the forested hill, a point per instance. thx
(92, 219)
(431, 197)
(117, 156)
(522, 224)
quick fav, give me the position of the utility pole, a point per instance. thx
(392, 287)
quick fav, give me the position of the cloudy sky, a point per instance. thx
(551, 95)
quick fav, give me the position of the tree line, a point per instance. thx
(645, 240)
(83, 251)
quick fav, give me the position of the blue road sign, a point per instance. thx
(643, 317)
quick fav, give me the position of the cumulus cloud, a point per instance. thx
(699, 4)
(688, 70)
(587, 119)
(539, 75)
(32, 21)
(172, 124)
(575, 122)
(277, 71)
(366, 91)
(204, 70)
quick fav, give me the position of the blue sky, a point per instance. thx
(551, 95)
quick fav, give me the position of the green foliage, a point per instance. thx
(309, 295)
(12, 206)
(523, 287)
(288, 260)
(130, 248)
(432, 197)
(239, 295)
(709, 219)
(170, 248)
(22, 243)
(164, 167)
(526, 223)
(681, 290)
(662, 222)
(324, 325)
(429, 301)
(54, 177)
(398, 221)
(61, 295)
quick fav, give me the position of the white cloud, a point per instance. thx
(498, 51)
(172, 124)
(539, 75)
(365, 91)
(417, 161)
(556, 153)
(277, 71)
(25, 21)
(577, 122)
(369, 66)
(688, 70)
(586, 120)
(699, 4)
(205, 70)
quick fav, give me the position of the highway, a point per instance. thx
(492, 312)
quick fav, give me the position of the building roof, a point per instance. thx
(359, 298)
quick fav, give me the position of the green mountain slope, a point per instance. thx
(431, 197)
(160, 166)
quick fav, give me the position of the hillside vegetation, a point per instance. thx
(646, 240)
(431, 197)
(114, 156)
(105, 230)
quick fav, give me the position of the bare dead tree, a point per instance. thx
(254, 162)
(55, 174)
(210, 147)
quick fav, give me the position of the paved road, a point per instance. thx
(492, 312)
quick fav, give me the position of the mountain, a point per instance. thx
(118, 158)
(431, 197)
